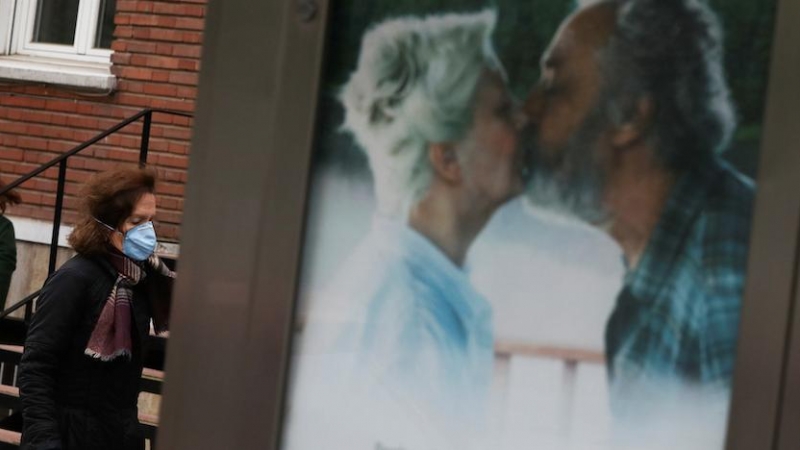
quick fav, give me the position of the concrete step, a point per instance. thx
(9, 395)
(10, 353)
(151, 378)
(149, 422)
(9, 437)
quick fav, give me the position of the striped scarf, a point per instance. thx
(111, 336)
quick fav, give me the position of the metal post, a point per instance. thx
(62, 178)
(568, 388)
(145, 141)
(501, 380)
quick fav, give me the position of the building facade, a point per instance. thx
(71, 70)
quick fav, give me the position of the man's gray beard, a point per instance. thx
(574, 188)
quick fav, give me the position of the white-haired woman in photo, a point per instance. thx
(429, 106)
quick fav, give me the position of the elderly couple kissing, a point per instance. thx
(622, 131)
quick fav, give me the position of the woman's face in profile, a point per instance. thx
(490, 154)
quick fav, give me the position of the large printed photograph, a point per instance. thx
(528, 224)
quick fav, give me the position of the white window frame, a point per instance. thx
(85, 33)
(79, 65)
(7, 9)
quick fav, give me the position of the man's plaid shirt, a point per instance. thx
(677, 317)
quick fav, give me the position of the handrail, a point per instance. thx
(61, 162)
(507, 349)
(19, 304)
(84, 145)
(571, 359)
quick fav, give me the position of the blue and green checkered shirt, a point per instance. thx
(677, 316)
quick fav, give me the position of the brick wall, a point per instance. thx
(156, 60)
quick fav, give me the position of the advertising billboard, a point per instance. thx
(528, 224)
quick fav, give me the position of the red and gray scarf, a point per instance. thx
(111, 336)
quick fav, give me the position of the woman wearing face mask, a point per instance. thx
(402, 323)
(81, 369)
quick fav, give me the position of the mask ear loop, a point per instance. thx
(107, 225)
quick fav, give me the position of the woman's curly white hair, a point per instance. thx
(414, 84)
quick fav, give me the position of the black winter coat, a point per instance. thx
(71, 401)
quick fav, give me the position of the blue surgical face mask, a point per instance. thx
(139, 242)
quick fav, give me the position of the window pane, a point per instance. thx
(105, 24)
(55, 21)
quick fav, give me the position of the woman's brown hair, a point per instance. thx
(108, 197)
(9, 198)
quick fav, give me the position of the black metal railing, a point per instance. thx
(24, 302)
(61, 161)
